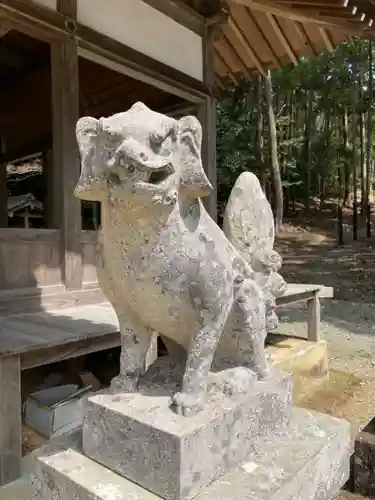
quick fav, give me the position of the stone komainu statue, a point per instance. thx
(164, 264)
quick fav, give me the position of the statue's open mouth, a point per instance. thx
(160, 175)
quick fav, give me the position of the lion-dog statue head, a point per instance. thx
(152, 157)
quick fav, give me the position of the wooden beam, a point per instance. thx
(68, 8)
(180, 13)
(265, 38)
(207, 117)
(281, 10)
(223, 61)
(326, 39)
(282, 38)
(208, 8)
(52, 207)
(233, 50)
(272, 7)
(71, 350)
(250, 51)
(66, 162)
(51, 26)
(4, 29)
(3, 196)
(28, 150)
(10, 419)
(3, 189)
(181, 109)
(302, 33)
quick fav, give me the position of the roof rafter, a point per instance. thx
(282, 38)
(241, 36)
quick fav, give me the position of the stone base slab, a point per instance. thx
(140, 437)
(309, 462)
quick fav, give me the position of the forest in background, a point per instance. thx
(306, 131)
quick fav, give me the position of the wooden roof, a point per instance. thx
(268, 33)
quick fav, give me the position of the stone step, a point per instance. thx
(19, 490)
(305, 361)
(308, 462)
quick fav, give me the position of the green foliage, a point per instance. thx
(317, 107)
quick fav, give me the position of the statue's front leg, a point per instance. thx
(190, 400)
(135, 341)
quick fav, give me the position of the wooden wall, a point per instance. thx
(128, 22)
(25, 115)
(29, 258)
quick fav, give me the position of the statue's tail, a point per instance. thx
(249, 226)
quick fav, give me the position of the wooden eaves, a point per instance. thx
(259, 34)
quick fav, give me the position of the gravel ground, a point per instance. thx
(348, 328)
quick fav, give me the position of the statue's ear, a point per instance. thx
(193, 179)
(91, 182)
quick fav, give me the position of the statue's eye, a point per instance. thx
(131, 168)
(112, 135)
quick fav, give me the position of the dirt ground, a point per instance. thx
(311, 254)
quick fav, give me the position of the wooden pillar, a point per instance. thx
(52, 207)
(207, 117)
(3, 196)
(313, 322)
(10, 419)
(66, 162)
(3, 189)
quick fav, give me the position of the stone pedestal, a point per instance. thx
(253, 446)
(141, 438)
(308, 462)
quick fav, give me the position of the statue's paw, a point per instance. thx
(123, 383)
(187, 405)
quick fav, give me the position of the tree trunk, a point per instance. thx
(259, 133)
(290, 149)
(362, 138)
(354, 135)
(345, 137)
(369, 145)
(308, 145)
(275, 167)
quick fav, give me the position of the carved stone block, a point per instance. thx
(308, 462)
(139, 436)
